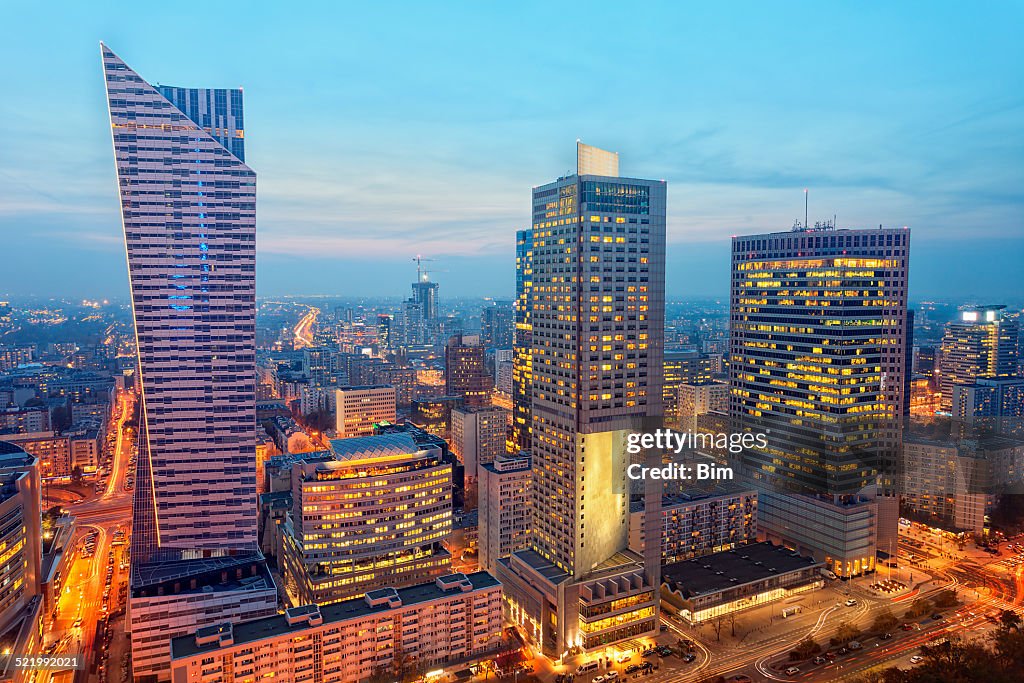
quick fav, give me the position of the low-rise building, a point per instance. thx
(749, 576)
(388, 633)
(359, 408)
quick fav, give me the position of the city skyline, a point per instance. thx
(894, 130)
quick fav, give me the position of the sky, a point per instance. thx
(380, 131)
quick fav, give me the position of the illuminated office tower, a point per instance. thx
(817, 352)
(522, 371)
(597, 315)
(465, 373)
(981, 344)
(188, 206)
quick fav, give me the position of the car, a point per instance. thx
(908, 627)
(623, 657)
(851, 602)
(665, 651)
(598, 679)
(820, 660)
(916, 658)
(843, 651)
(632, 669)
(649, 653)
(792, 671)
(886, 636)
(611, 675)
(646, 666)
(689, 657)
(663, 628)
(936, 617)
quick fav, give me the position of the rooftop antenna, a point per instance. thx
(805, 209)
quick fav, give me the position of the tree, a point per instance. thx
(805, 649)
(732, 623)
(1010, 620)
(884, 622)
(76, 475)
(845, 634)
(717, 625)
(945, 598)
(918, 608)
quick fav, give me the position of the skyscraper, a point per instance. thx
(982, 343)
(496, 325)
(188, 206)
(522, 370)
(597, 312)
(817, 353)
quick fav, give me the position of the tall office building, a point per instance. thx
(817, 353)
(478, 436)
(188, 206)
(522, 346)
(465, 373)
(682, 367)
(597, 315)
(983, 343)
(496, 325)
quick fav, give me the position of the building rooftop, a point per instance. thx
(361, 447)
(719, 571)
(259, 629)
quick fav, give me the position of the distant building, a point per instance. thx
(697, 399)
(683, 367)
(504, 510)
(389, 633)
(434, 414)
(360, 407)
(465, 373)
(478, 435)
(991, 404)
(696, 523)
(953, 483)
(982, 343)
(496, 325)
(349, 532)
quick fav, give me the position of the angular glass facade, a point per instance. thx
(188, 204)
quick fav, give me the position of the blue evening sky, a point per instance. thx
(383, 130)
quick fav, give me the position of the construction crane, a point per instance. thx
(421, 274)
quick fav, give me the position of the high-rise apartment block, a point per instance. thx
(597, 315)
(21, 551)
(983, 343)
(359, 408)
(479, 435)
(372, 512)
(817, 363)
(505, 513)
(696, 523)
(188, 207)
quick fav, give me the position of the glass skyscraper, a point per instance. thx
(818, 333)
(188, 205)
